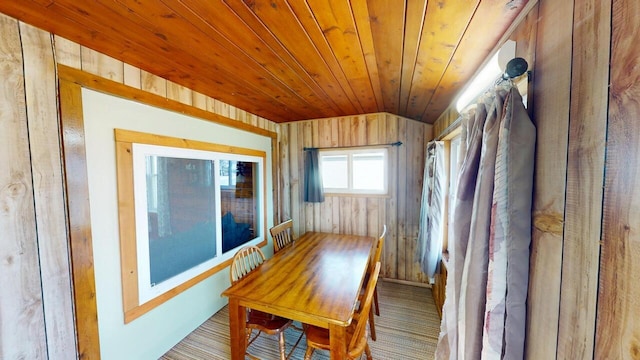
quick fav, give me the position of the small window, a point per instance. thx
(361, 171)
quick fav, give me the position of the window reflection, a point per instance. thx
(239, 203)
(227, 173)
(181, 215)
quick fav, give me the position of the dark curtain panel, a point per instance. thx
(312, 178)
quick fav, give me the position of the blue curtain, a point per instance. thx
(313, 191)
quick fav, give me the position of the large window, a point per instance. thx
(354, 171)
(184, 210)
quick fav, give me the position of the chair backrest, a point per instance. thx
(359, 339)
(380, 245)
(244, 261)
(282, 235)
(378, 252)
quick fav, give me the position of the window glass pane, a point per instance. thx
(152, 183)
(335, 172)
(186, 223)
(239, 205)
(354, 171)
(181, 215)
(368, 171)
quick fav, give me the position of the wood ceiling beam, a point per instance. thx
(212, 49)
(444, 26)
(416, 13)
(323, 50)
(221, 24)
(387, 26)
(336, 22)
(361, 16)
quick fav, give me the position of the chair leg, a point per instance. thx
(308, 353)
(368, 352)
(295, 345)
(375, 300)
(372, 326)
(283, 354)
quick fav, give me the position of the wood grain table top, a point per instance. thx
(317, 280)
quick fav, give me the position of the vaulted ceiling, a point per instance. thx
(288, 60)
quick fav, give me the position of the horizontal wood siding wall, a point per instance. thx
(36, 303)
(361, 215)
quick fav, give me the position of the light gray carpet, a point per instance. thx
(406, 329)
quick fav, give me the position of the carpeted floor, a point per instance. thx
(406, 329)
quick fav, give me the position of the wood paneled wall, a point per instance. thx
(400, 210)
(618, 306)
(570, 111)
(19, 260)
(552, 76)
(36, 303)
(446, 122)
(573, 107)
(585, 256)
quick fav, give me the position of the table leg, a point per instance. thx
(237, 323)
(338, 342)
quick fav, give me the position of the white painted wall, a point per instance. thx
(152, 334)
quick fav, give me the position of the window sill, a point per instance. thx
(445, 259)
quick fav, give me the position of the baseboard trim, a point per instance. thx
(405, 282)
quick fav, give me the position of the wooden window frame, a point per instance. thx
(135, 302)
(71, 82)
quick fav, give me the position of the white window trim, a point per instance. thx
(350, 153)
(140, 152)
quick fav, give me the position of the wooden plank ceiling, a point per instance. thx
(288, 60)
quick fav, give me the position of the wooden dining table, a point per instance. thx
(316, 281)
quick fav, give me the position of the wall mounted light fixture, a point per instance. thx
(487, 76)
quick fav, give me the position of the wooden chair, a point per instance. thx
(375, 259)
(244, 261)
(318, 338)
(282, 235)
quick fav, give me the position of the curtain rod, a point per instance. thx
(397, 143)
(449, 128)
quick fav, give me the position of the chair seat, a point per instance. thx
(317, 336)
(266, 322)
(245, 261)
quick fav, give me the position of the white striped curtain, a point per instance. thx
(484, 314)
(432, 210)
